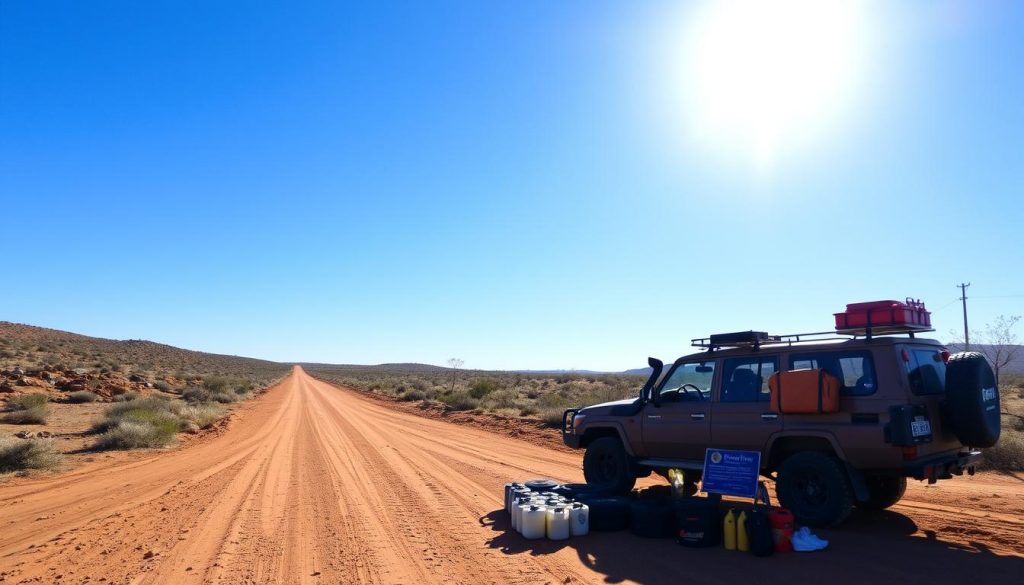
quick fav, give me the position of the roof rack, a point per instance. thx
(756, 339)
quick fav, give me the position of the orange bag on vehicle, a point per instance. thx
(812, 391)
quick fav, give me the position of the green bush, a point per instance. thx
(482, 387)
(20, 455)
(128, 434)
(83, 396)
(126, 397)
(202, 415)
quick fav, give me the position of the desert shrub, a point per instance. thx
(36, 415)
(202, 415)
(163, 387)
(528, 410)
(482, 387)
(195, 395)
(129, 434)
(27, 401)
(83, 396)
(126, 397)
(1008, 453)
(153, 409)
(19, 455)
(552, 400)
(226, 397)
(551, 417)
(412, 396)
(214, 384)
(460, 401)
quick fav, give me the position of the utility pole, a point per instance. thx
(963, 297)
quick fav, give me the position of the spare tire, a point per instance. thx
(652, 518)
(575, 490)
(540, 485)
(607, 513)
(972, 400)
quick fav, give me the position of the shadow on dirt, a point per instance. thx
(875, 547)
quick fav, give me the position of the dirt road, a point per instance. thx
(314, 484)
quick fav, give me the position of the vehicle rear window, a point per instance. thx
(855, 369)
(926, 371)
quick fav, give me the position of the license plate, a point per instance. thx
(920, 428)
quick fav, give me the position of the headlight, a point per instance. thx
(577, 421)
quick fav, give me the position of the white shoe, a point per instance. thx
(804, 541)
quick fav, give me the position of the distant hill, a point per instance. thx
(28, 346)
(1015, 367)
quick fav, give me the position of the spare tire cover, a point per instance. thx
(972, 400)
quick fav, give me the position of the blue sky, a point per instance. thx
(519, 184)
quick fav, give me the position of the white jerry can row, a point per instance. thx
(536, 515)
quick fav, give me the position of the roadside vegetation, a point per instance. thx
(533, 396)
(22, 455)
(152, 422)
(27, 409)
(1008, 453)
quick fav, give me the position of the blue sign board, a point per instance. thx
(731, 473)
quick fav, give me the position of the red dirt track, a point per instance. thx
(311, 483)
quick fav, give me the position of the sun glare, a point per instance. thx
(763, 78)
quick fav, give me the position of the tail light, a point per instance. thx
(906, 355)
(945, 356)
(909, 453)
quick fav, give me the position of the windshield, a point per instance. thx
(699, 374)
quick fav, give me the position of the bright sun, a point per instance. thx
(763, 78)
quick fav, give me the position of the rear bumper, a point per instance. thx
(944, 466)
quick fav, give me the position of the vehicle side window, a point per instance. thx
(746, 379)
(926, 371)
(699, 374)
(855, 369)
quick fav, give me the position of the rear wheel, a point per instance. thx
(608, 467)
(883, 491)
(813, 486)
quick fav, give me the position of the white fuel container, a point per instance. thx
(579, 519)
(558, 523)
(533, 525)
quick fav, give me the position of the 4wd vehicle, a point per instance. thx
(906, 408)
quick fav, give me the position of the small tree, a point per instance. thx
(998, 342)
(455, 364)
(1001, 344)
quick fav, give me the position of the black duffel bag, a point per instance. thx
(698, 521)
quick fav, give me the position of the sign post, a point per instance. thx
(731, 473)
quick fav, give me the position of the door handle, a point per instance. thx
(769, 416)
(653, 416)
(697, 416)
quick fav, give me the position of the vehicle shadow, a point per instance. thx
(870, 547)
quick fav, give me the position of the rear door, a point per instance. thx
(743, 419)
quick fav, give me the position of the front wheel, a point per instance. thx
(883, 491)
(814, 486)
(608, 467)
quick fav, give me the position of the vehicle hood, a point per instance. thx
(625, 407)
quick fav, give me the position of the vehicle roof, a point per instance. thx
(778, 347)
